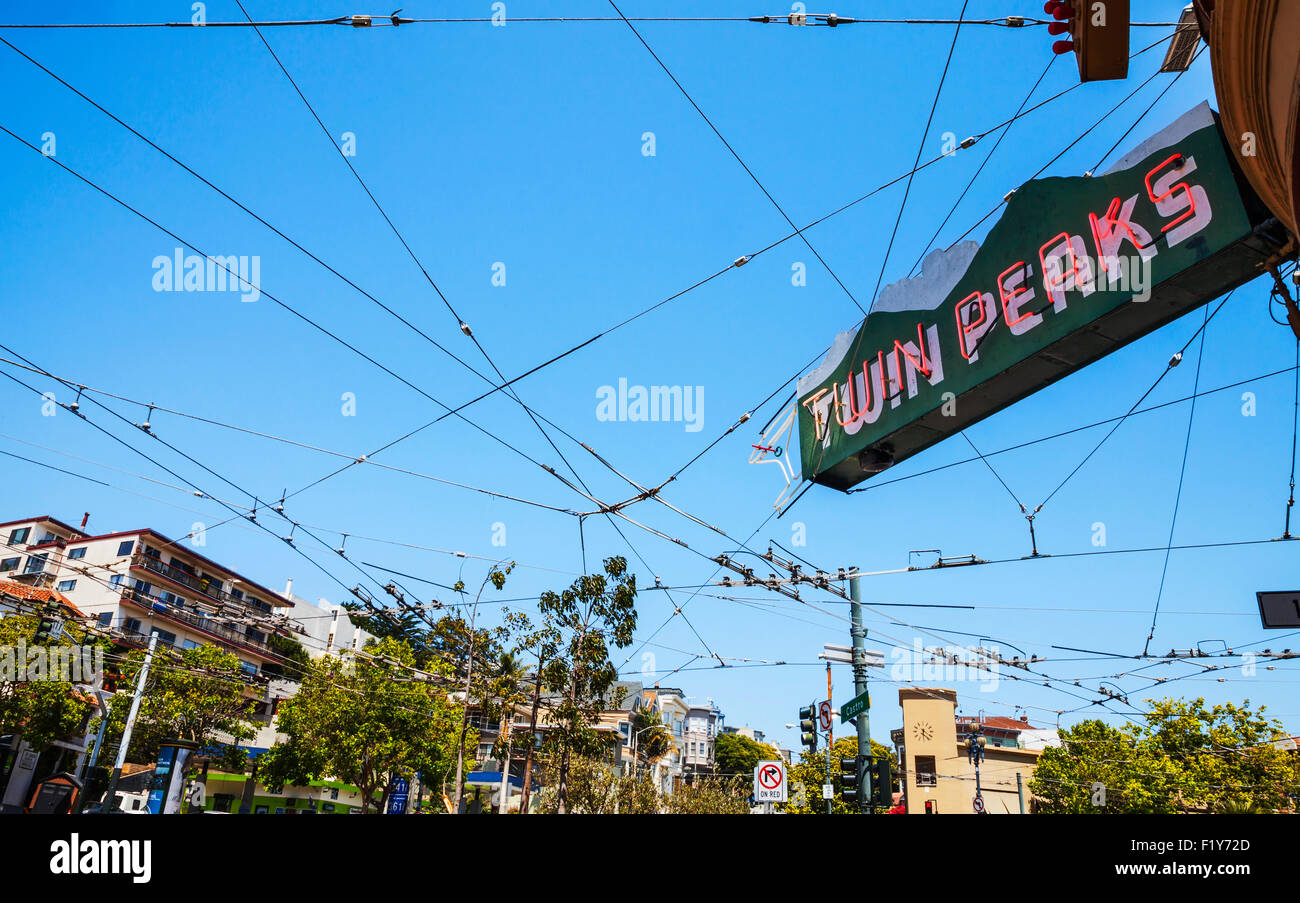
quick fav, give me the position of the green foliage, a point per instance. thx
(739, 755)
(43, 711)
(710, 796)
(295, 658)
(597, 788)
(359, 721)
(595, 612)
(810, 771)
(192, 695)
(1184, 758)
(653, 741)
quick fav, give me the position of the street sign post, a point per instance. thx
(843, 655)
(855, 707)
(1279, 610)
(828, 791)
(978, 805)
(769, 782)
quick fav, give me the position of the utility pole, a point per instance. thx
(110, 795)
(863, 721)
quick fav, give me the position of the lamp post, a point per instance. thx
(635, 751)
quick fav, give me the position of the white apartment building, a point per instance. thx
(704, 721)
(138, 582)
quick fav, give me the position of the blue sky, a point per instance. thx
(523, 145)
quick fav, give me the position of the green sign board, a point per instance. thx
(1074, 269)
(855, 707)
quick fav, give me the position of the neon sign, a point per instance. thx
(1075, 268)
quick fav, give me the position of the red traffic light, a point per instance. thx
(1058, 27)
(1059, 47)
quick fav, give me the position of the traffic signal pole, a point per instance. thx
(859, 634)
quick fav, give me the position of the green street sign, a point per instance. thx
(855, 707)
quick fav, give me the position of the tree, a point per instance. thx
(737, 754)
(810, 771)
(294, 658)
(43, 711)
(1185, 757)
(596, 611)
(595, 787)
(361, 721)
(710, 795)
(543, 643)
(651, 739)
(192, 695)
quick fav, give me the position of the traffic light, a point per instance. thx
(808, 726)
(929, 807)
(1096, 32)
(882, 782)
(849, 776)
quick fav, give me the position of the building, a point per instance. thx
(20, 764)
(745, 731)
(704, 721)
(139, 582)
(936, 774)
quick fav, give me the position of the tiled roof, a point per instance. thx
(38, 594)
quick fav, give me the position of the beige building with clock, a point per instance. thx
(936, 774)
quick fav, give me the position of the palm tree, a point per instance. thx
(650, 737)
(508, 689)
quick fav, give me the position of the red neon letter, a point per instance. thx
(1002, 290)
(1187, 189)
(920, 365)
(965, 329)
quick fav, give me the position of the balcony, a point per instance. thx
(197, 619)
(203, 585)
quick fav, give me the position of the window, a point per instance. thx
(151, 552)
(167, 637)
(182, 566)
(255, 635)
(19, 536)
(115, 580)
(248, 668)
(131, 625)
(327, 807)
(36, 563)
(77, 553)
(237, 594)
(67, 586)
(925, 773)
(334, 793)
(9, 564)
(189, 644)
(104, 618)
(259, 810)
(48, 537)
(126, 547)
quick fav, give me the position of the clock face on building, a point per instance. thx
(922, 730)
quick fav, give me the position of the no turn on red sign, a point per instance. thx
(769, 782)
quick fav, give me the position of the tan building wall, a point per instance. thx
(929, 732)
